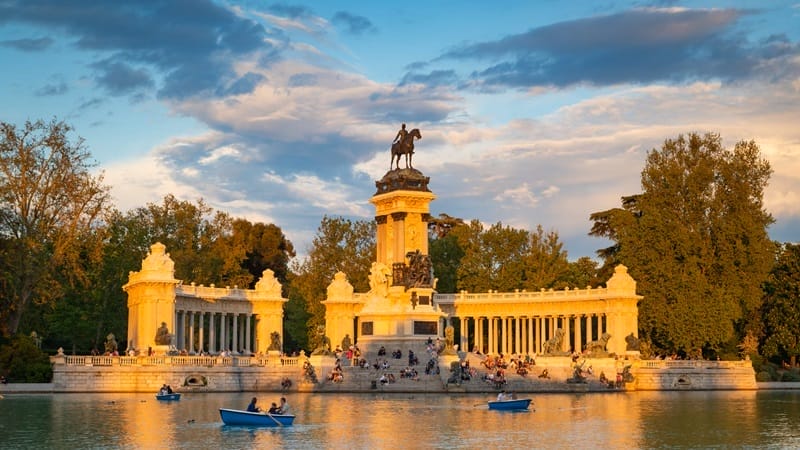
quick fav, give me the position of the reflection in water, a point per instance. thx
(356, 421)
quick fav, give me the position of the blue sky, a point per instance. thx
(532, 113)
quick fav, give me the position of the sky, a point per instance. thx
(531, 113)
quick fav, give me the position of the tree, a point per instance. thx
(446, 254)
(340, 245)
(781, 308)
(48, 198)
(265, 246)
(695, 240)
(546, 264)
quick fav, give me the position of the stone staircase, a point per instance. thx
(357, 379)
(366, 379)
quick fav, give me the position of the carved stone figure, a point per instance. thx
(275, 341)
(420, 271)
(323, 342)
(346, 342)
(111, 343)
(162, 335)
(379, 279)
(553, 345)
(340, 288)
(632, 343)
(404, 145)
(598, 346)
(449, 341)
(269, 284)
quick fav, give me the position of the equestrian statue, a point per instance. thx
(403, 144)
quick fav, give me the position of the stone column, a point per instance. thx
(212, 336)
(180, 330)
(464, 341)
(235, 334)
(479, 333)
(248, 336)
(565, 345)
(201, 328)
(542, 337)
(223, 334)
(191, 332)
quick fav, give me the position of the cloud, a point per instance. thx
(28, 45)
(119, 78)
(183, 48)
(58, 88)
(672, 45)
(352, 24)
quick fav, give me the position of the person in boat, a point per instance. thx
(169, 389)
(252, 406)
(163, 390)
(501, 397)
(273, 409)
(284, 408)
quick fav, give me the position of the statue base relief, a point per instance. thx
(161, 350)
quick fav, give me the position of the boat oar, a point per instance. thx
(274, 419)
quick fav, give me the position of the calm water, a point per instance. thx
(378, 421)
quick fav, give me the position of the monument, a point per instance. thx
(398, 310)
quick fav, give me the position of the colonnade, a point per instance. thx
(213, 332)
(528, 334)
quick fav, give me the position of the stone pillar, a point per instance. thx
(542, 336)
(398, 226)
(201, 331)
(479, 333)
(565, 345)
(180, 330)
(212, 336)
(463, 338)
(248, 335)
(191, 332)
(235, 334)
(223, 333)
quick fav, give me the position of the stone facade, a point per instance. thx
(199, 318)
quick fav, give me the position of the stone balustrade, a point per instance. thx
(522, 296)
(182, 361)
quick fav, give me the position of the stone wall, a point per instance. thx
(199, 374)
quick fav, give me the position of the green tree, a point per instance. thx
(546, 264)
(493, 258)
(48, 198)
(21, 361)
(582, 273)
(339, 245)
(695, 240)
(446, 254)
(265, 246)
(781, 308)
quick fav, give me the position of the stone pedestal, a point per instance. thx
(161, 350)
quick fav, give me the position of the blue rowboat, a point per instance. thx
(259, 419)
(168, 397)
(510, 405)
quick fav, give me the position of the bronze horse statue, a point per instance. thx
(405, 147)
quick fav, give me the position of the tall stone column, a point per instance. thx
(212, 336)
(235, 333)
(201, 331)
(248, 335)
(223, 332)
(191, 332)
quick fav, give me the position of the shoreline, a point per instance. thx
(49, 388)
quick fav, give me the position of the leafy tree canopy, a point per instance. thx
(695, 240)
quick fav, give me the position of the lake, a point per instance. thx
(710, 419)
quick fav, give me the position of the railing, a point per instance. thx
(521, 296)
(691, 364)
(183, 361)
